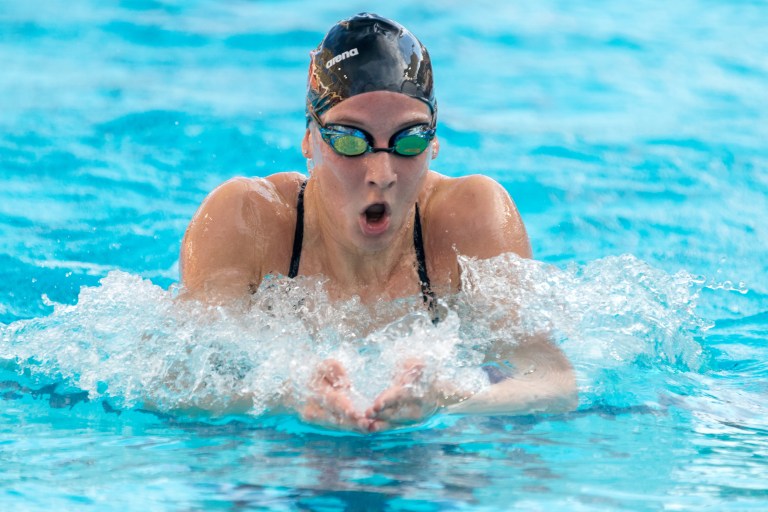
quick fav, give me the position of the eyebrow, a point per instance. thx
(356, 123)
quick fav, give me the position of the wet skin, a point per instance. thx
(358, 233)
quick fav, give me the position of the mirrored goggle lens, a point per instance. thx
(411, 145)
(349, 145)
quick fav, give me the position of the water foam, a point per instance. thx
(139, 344)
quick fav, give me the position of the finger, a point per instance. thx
(317, 413)
(336, 375)
(313, 411)
(413, 370)
(341, 410)
(365, 425)
(341, 403)
(387, 399)
(378, 426)
(331, 373)
(396, 408)
(330, 403)
(389, 419)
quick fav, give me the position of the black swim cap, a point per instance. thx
(368, 53)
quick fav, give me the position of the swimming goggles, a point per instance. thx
(348, 141)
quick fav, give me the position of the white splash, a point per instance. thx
(138, 344)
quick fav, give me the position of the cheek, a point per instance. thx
(342, 182)
(337, 182)
(413, 171)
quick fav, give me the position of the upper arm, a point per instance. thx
(223, 251)
(481, 220)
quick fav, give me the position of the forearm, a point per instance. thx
(555, 393)
(542, 380)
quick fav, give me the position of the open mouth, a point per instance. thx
(375, 213)
(374, 220)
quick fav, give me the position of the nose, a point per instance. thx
(379, 171)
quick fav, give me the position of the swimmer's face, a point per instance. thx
(370, 196)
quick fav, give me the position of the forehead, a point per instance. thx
(379, 107)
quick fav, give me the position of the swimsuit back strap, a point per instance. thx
(298, 236)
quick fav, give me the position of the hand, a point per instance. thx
(408, 400)
(330, 403)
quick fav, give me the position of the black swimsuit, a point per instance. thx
(418, 244)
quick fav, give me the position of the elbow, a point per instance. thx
(567, 400)
(564, 395)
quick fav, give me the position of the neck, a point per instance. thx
(348, 266)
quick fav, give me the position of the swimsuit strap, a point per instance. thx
(298, 236)
(421, 260)
(418, 244)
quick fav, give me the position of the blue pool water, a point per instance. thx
(632, 136)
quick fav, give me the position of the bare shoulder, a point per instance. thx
(241, 204)
(231, 239)
(476, 216)
(286, 185)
